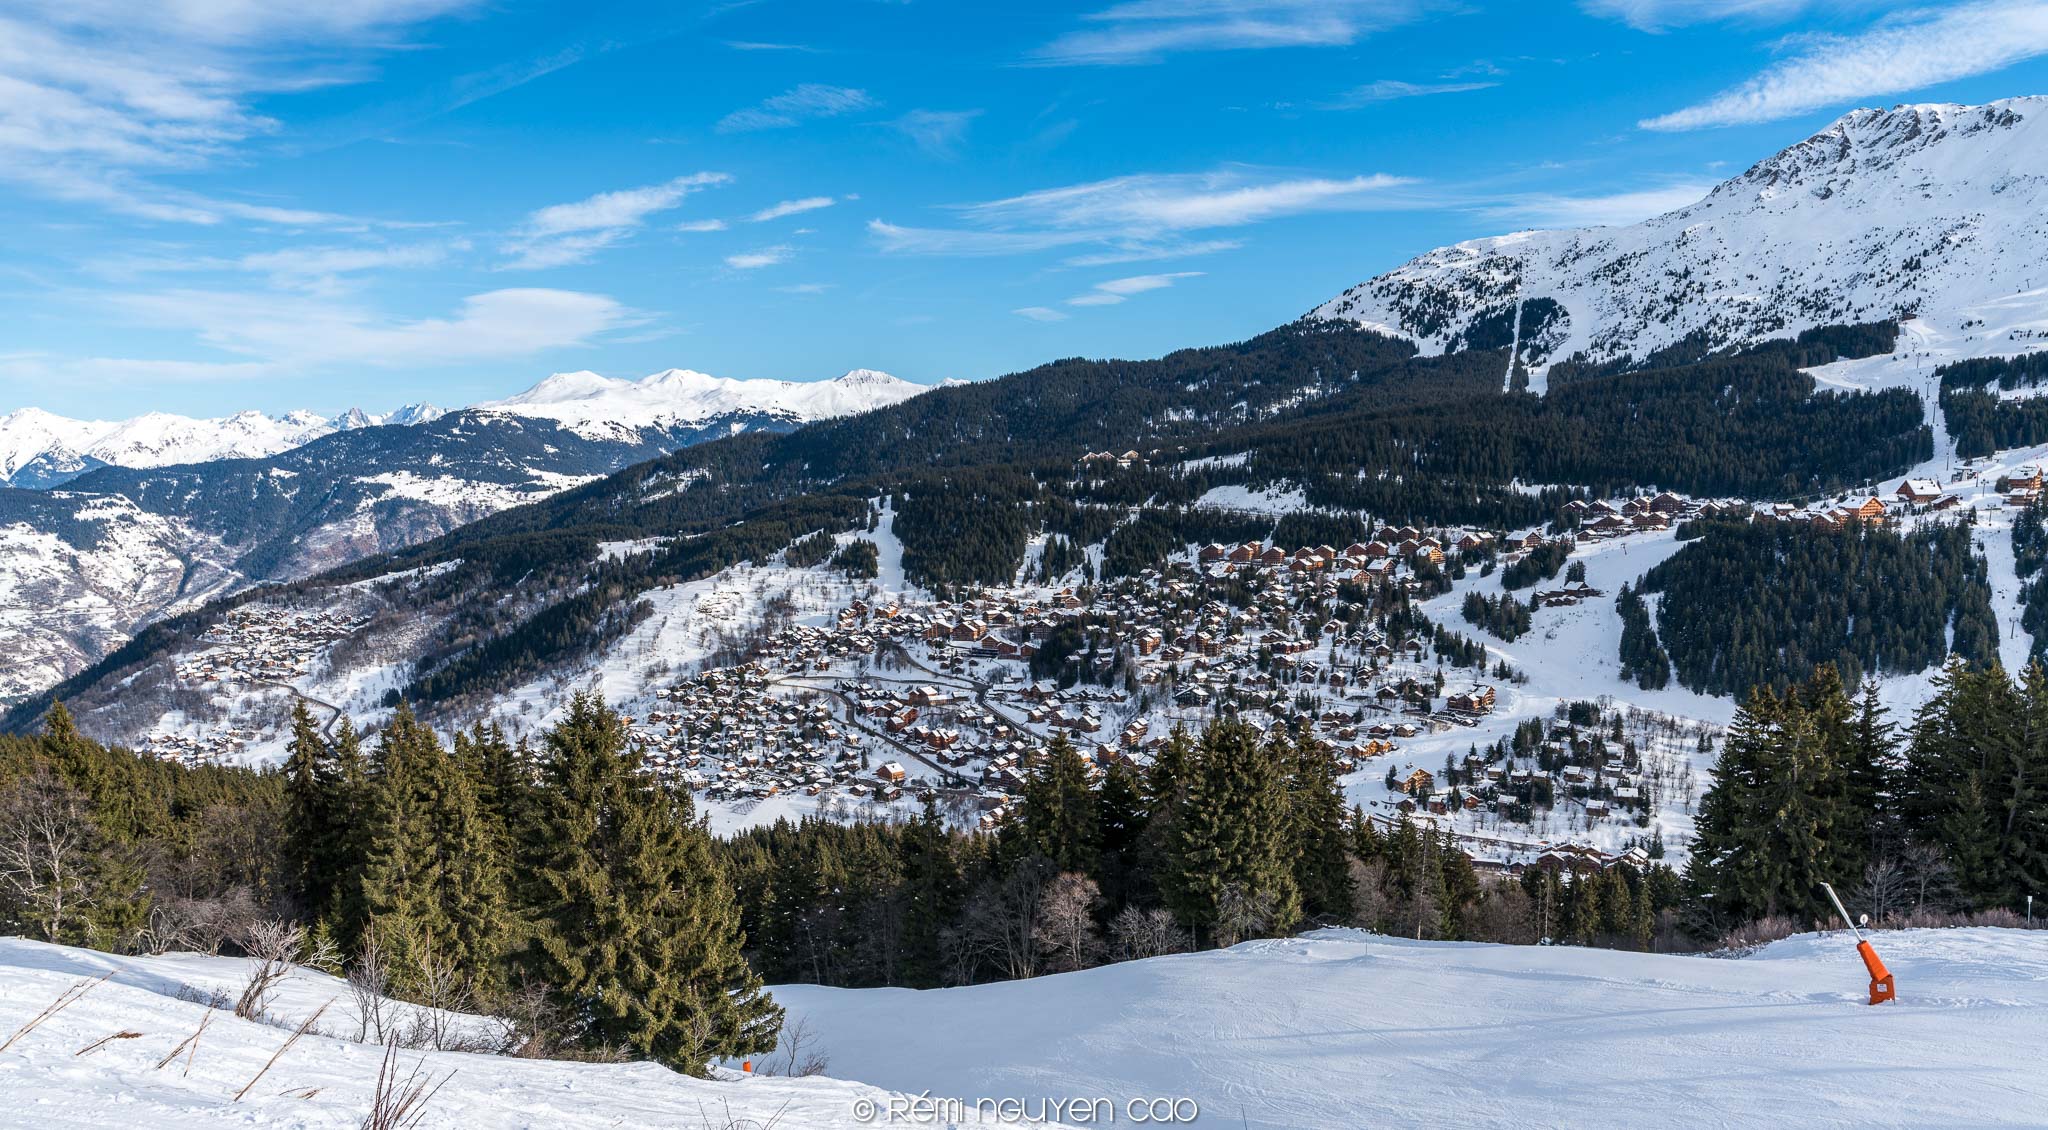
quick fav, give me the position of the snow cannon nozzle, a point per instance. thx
(1882, 987)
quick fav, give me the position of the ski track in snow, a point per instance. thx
(1340, 1030)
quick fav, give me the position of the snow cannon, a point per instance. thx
(1882, 987)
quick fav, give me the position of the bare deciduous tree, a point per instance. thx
(1146, 933)
(275, 947)
(1000, 925)
(45, 834)
(1242, 914)
(1065, 931)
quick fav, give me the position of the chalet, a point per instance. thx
(891, 771)
(932, 695)
(1244, 554)
(1918, 491)
(1213, 552)
(1478, 700)
(1418, 782)
(1667, 503)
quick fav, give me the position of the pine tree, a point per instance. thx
(639, 935)
(311, 797)
(1317, 833)
(933, 891)
(354, 798)
(1059, 809)
(1231, 834)
(433, 879)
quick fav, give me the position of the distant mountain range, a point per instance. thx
(39, 449)
(110, 526)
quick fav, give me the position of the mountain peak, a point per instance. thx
(685, 398)
(1926, 209)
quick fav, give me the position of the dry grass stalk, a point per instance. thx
(400, 1104)
(64, 1000)
(305, 1026)
(189, 1045)
(103, 1041)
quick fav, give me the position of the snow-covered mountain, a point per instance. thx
(602, 407)
(1929, 210)
(42, 449)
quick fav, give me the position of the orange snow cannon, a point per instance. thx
(1882, 987)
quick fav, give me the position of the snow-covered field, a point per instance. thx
(326, 1081)
(1339, 1029)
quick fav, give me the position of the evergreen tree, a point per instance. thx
(1230, 833)
(639, 935)
(1317, 833)
(312, 798)
(934, 892)
(433, 879)
(1059, 818)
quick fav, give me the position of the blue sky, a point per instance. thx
(223, 204)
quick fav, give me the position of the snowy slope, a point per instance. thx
(327, 1080)
(1932, 209)
(599, 406)
(1338, 1029)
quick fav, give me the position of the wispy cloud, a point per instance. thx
(561, 234)
(795, 106)
(1153, 251)
(937, 132)
(1388, 90)
(1146, 31)
(1117, 290)
(791, 208)
(1918, 50)
(1151, 203)
(760, 45)
(765, 257)
(701, 225)
(276, 335)
(1660, 15)
(319, 268)
(1139, 217)
(1554, 210)
(99, 98)
(1040, 313)
(902, 240)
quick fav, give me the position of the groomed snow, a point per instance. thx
(327, 1081)
(1342, 1030)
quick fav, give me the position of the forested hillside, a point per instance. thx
(971, 473)
(1761, 604)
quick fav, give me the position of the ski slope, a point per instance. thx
(1342, 1030)
(326, 1081)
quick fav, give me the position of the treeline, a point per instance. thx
(2026, 370)
(1226, 836)
(1754, 604)
(565, 889)
(1981, 422)
(1643, 660)
(1813, 787)
(1538, 564)
(1751, 424)
(1503, 615)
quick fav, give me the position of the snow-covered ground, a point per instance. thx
(1339, 1029)
(327, 1080)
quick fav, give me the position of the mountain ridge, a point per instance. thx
(1916, 210)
